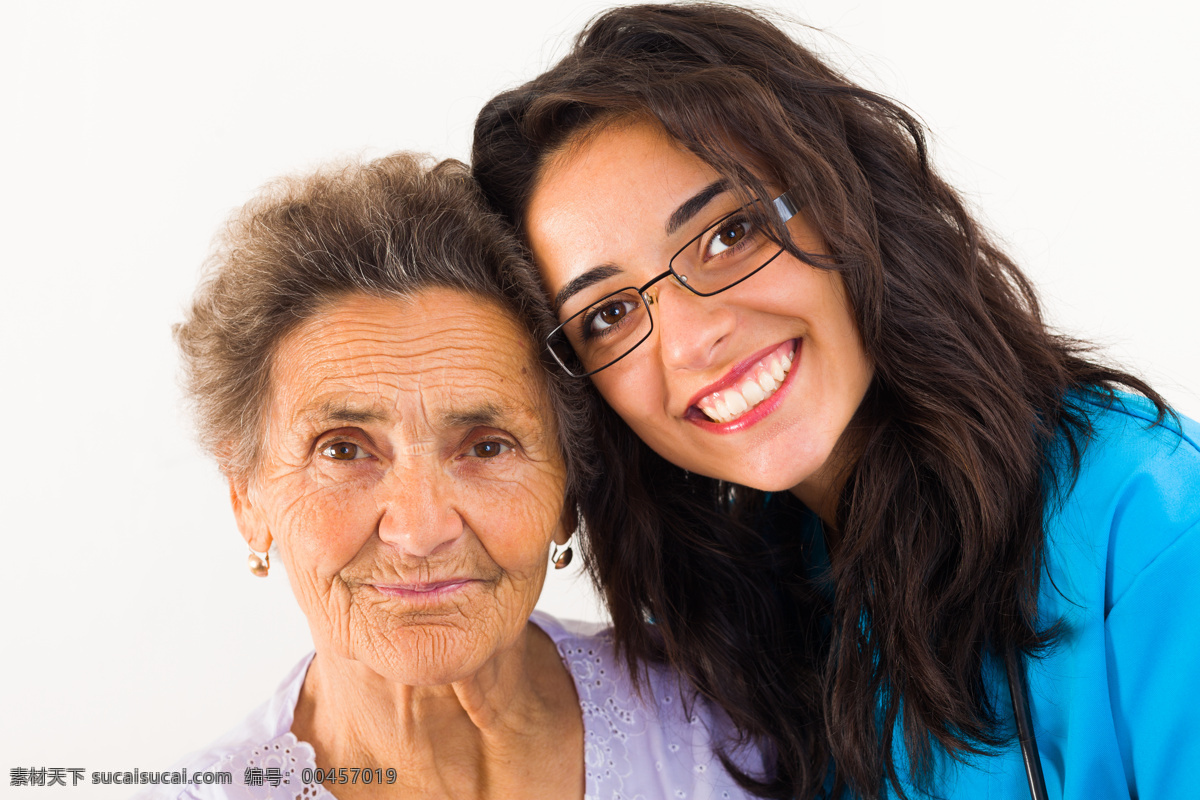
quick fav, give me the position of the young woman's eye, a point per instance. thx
(490, 449)
(728, 235)
(602, 318)
(344, 451)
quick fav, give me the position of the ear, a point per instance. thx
(567, 524)
(249, 517)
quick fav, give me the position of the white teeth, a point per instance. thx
(762, 382)
(722, 409)
(753, 393)
(737, 404)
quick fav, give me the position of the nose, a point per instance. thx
(418, 516)
(690, 328)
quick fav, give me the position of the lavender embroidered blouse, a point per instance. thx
(632, 750)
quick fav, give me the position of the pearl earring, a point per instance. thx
(259, 567)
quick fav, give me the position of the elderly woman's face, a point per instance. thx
(411, 478)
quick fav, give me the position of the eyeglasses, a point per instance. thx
(612, 326)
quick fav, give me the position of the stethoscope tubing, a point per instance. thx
(1024, 718)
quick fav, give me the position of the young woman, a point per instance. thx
(854, 487)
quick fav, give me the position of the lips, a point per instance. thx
(423, 590)
(749, 385)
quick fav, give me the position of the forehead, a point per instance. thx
(633, 163)
(608, 198)
(438, 348)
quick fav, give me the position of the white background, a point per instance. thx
(132, 630)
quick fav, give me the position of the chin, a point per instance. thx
(763, 483)
(424, 655)
(437, 666)
(777, 472)
(767, 484)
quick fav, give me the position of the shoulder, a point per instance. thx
(1123, 550)
(652, 737)
(1136, 497)
(1127, 426)
(258, 758)
(589, 652)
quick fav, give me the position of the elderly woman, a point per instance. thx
(372, 394)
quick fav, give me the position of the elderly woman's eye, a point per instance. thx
(490, 449)
(343, 451)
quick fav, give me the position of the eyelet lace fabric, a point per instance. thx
(284, 753)
(610, 720)
(636, 751)
(635, 748)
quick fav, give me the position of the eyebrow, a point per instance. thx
(692, 206)
(332, 411)
(688, 209)
(483, 414)
(581, 282)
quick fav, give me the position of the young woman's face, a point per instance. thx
(704, 390)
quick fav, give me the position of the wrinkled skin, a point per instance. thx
(409, 446)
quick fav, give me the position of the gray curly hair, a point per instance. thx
(390, 227)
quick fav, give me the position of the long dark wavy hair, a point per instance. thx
(937, 556)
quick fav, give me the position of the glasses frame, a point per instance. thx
(783, 205)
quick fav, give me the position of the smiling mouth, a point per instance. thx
(756, 385)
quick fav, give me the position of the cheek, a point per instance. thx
(636, 391)
(514, 520)
(638, 396)
(321, 529)
(847, 365)
(860, 371)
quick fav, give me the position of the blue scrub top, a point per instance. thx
(1115, 708)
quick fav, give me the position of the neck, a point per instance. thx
(822, 490)
(821, 498)
(490, 734)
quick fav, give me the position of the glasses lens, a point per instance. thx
(725, 253)
(603, 332)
